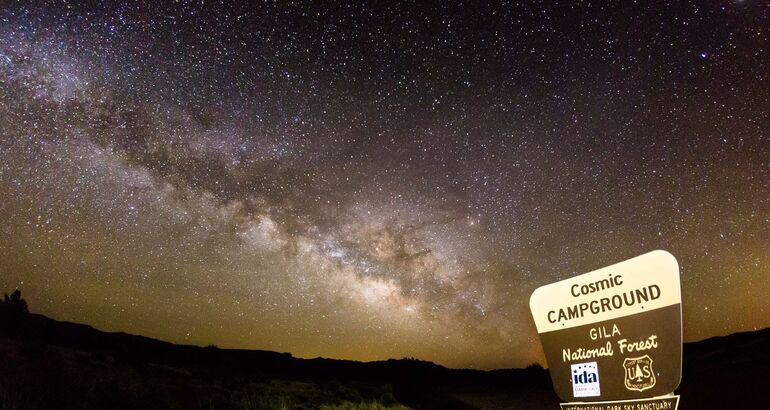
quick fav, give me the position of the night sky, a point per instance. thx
(379, 179)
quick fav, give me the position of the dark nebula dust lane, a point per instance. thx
(365, 182)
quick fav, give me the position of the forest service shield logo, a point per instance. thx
(639, 373)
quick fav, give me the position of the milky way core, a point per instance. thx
(366, 182)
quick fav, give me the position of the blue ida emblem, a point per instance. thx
(585, 380)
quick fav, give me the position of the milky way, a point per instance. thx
(366, 182)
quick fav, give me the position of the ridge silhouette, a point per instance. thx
(45, 363)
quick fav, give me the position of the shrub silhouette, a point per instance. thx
(14, 303)
(534, 367)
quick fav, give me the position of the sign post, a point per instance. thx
(613, 337)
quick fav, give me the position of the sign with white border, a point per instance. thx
(658, 403)
(614, 333)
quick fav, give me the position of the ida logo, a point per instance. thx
(585, 380)
(639, 373)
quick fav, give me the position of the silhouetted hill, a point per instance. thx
(45, 363)
(111, 368)
(727, 372)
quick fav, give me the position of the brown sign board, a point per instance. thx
(614, 333)
(657, 403)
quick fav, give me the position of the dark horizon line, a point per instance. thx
(405, 358)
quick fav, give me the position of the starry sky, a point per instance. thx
(369, 180)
